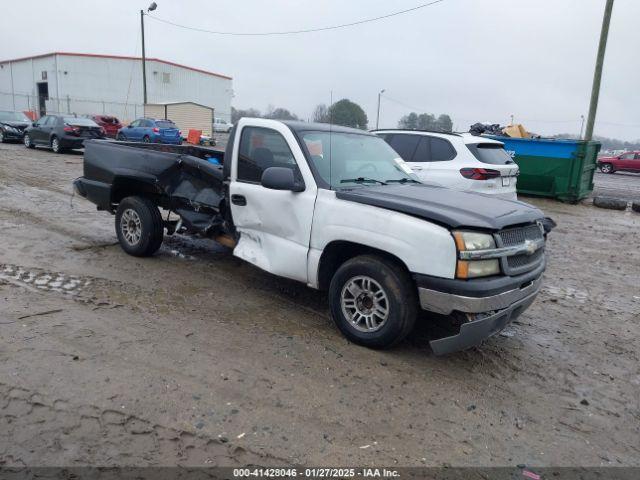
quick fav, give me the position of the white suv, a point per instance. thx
(222, 126)
(456, 160)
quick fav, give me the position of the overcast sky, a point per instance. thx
(477, 60)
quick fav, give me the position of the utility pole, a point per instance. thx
(378, 116)
(144, 61)
(597, 76)
(151, 8)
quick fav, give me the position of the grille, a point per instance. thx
(516, 236)
(519, 261)
(518, 264)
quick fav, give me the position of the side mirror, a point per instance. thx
(129, 126)
(281, 178)
(34, 124)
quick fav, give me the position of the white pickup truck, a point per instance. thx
(337, 209)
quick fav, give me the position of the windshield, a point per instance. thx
(491, 153)
(80, 122)
(165, 124)
(13, 117)
(348, 159)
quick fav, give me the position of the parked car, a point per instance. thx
(627, 162)
(222, 126)
(150, 130)
(13, 125)
(62, 132)
(110, 124)
(460, 161)
(336, 209)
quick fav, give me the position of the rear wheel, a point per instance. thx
(55, 145)
(27, 141)
(120, 137)
(146, 139)
(373, 301)
(606, 168)
(1, 136)
(139, 226)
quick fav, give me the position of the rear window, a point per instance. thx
(165, 124)
(80, 122)
(490, 153)
(405, 145)
(111, 120)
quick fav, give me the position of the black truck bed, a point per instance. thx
(179, 178)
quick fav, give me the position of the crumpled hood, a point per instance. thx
(448, 207)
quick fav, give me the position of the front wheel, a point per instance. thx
(373, 301)
(606, 168)
(27, 141)
(1, 136)
(120, 137)
(139, 226)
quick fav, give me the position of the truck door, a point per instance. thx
(274, 225)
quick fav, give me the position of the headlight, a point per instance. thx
(470, 241)
(474, 241)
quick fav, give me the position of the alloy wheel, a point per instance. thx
(131, 226)
(364, 304)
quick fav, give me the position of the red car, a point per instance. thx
(628, 162)
(110, 124)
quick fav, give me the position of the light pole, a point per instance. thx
(378, 115)
(597, 76)
(151, 8)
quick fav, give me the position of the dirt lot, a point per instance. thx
(193, 357)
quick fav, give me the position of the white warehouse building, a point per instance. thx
(82, 83)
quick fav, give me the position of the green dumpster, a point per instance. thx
(561, 169)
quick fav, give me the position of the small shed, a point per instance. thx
(186, 115)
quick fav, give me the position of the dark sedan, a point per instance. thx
(62, 132)
(12, 125)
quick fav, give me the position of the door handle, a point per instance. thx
(239, 200)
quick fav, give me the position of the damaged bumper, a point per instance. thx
(490, 305)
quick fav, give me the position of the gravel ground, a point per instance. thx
(193, 357)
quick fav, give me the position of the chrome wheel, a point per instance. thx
(55, 145)
(27, 141)
(1, 136)
(131, 226)
(605, 168)
(364, 304)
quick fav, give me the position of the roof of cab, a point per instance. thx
(298, 126)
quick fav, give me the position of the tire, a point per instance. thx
(2, 140)
(146, 139)
(606, 168)
(55, 145)
(27, 141)
(370, 283)
(120, 137)
(139, 226)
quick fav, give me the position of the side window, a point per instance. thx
(423, 152)
(637, 156)
(147, 124)
(441, 150)
(43, 121)
(405, 145)
(135, 123)
(627, 156)
(261, 148)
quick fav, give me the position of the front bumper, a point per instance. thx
(492, 303)
(13, 134)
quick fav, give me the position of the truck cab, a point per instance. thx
(337, 209)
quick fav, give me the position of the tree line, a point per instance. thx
(349, 114)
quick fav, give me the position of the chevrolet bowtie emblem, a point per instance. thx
(530, 246)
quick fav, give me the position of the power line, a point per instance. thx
(294, 32)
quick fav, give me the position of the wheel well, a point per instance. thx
(338, 252)
(127, 187)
